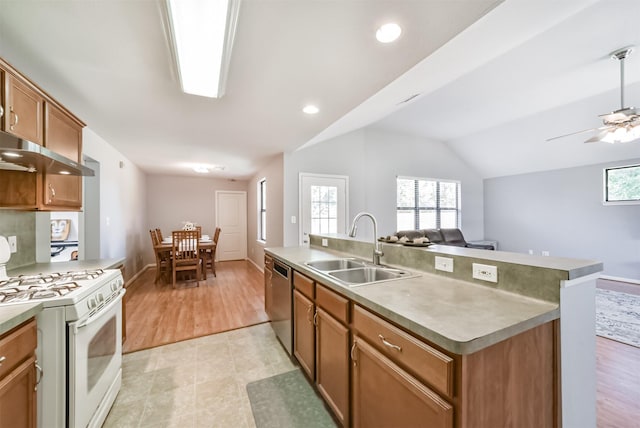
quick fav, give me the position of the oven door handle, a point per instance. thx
(88, 321)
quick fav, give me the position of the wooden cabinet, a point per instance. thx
(304, 334)
(18, 376)
(384, 395)
(23, 109)
(33, 115)
(268, 289)
(63, 135)
(332, 351)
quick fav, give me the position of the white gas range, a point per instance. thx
(79, 342)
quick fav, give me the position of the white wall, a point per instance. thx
(123, 212)
(172, 200)
(273, 173)
(373, 159)
(561, 212)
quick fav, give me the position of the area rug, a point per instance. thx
(287, 400)
(618, 316)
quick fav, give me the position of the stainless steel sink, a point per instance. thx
(335, 264)
(352, 272)
(367, 274)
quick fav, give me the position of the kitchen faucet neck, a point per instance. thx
(377, 249)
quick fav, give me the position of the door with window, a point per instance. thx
(323, 205)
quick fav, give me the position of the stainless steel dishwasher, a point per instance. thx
(282, 283)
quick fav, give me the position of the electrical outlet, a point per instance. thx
(485, 272)
(545, 253)
(325, 242)
(531, 252)
(13, 244)
(444, 263)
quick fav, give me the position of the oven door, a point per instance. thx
(95, 361)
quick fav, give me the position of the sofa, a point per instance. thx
(442, 237)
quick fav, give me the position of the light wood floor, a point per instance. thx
(157, 314)
(617, 375)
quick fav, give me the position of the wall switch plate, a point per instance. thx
(545, 253)
(13, 244)
(485, 272)
(444, 263)
(293, 219)
(325, 242)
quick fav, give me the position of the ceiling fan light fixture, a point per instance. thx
(388, 33)
(622, 135)
(202, 33)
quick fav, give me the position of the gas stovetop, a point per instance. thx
(46, 286)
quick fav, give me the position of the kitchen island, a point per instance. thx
(496, 345)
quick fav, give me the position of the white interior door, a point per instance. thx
(323, 204)
(231, 218)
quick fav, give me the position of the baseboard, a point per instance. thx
(138, 274)
(619, 279)
(260, 268)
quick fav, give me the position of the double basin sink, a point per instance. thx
(353, 272)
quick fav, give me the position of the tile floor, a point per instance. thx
(199, 382)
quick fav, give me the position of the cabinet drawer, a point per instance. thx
(303, 284)
(425, 362)
(333, 303)
(17, 345)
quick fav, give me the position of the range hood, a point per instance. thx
(17, 154)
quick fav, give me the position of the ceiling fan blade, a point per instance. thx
(578, 132)
(600, 135)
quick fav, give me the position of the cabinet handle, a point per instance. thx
(1, 111)
(2, 359)
(309, 314)
(389, 344)
(40, 375)
(53, 193)
(16, 115)
(315, 318)
(353, 353)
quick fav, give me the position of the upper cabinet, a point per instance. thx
(31, 114)
(23, 108)
(63, 135)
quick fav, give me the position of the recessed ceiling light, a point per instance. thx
(388, 32)
(201, 169)
(311, 109)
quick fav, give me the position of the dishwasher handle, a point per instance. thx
(281, 269)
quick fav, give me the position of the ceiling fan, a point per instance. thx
(620, 126)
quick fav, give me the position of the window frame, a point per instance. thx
(437, 209)
(605, 187)
(262, 210)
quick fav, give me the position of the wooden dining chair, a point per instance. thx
(185, 251)
(163, 256)
(211, 254)
(159, 234)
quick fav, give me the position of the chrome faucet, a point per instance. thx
(377, 249)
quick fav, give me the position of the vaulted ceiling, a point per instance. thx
(495, 79)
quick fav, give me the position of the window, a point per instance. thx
(324, 209)
(427, 203)
(262, 210)
(622, 185)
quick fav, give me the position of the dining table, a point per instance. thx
(166, 245)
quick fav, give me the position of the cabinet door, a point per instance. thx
(18, 396)
(23, 110)
(332, 364)
(304, 335)
(64, 136)
(384, 395)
